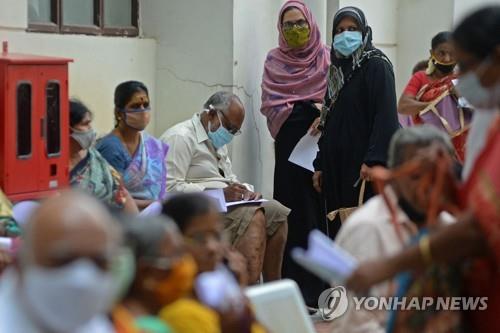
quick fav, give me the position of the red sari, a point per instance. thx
(481, 193)
(444, 112)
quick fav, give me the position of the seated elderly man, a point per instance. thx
(369, 232)
(198, 160)
(62, 281)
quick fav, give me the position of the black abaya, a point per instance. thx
(293, 188)
(358, 130)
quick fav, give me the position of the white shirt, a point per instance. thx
(369, 234)
(14, 317)
(193, 164)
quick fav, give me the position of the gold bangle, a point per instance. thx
(425, 249)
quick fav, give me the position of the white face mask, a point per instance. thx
(469, 86)
(84, 138)
(66, 298)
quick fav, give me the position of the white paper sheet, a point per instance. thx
(245, 202)
(462, 102)
(219, 289)
(325, 258)
(305, 152)
(218, 196)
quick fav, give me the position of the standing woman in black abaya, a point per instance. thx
(359, 117)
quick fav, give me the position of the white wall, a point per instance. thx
(418, 22)
(253, 151)
(462, 7)
(100, 63)
(194, 54)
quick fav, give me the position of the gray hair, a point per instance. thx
(417, 136)
(221, 100)
(144, 236)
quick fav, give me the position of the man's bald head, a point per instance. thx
(67, 227)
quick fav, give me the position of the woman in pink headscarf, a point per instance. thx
(293, 84)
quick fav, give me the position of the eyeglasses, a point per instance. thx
(232, 129)
(202, 238)
(290, 24)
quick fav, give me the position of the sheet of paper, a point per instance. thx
(462, 102)
(325, 258)
(305, 152)
(245, 202)
(218, 196)
(218, 289)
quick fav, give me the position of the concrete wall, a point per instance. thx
(255, 33)
(462, 7)
(418, 22)
(194, 54)
(100, 63)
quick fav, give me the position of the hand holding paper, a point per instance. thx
(325, 258)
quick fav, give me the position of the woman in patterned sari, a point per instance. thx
(8, 226)
(89, 171)
(475, 238)
(136, 155)
(430, 97)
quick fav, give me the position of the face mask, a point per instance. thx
(136, 118)
(123, 272)
(444, 68)
(469, 86)
(179, 281)
(414, 215)
(296, 37)
(66, 298)
(221, 136)
(84, 138)
(347, 42)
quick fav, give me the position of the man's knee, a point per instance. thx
(259, 219)
(282, 231)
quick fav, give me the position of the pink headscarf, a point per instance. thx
(292, 75)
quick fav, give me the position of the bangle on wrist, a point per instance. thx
(425, 249)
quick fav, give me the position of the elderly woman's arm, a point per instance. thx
(447, 245)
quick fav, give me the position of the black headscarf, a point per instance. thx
(342, 68)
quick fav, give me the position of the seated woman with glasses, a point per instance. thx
(136, 155)
(202, 228)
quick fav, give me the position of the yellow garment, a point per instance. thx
(188, 316)
(5, 206)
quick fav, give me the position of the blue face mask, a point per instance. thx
(221, 136)
(347, 42)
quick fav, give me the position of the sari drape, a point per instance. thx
(445, 113)
(146, 176)
(95, 176)
(481, 194)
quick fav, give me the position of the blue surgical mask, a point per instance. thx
(347, 42)
(221, 136)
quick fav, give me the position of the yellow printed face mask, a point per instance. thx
(179, 281)
(297, 36)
